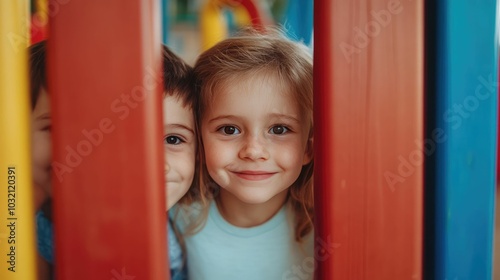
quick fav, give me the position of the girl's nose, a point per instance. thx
(254, 149)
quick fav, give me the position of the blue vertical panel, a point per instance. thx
(463, 132)
(299, 20)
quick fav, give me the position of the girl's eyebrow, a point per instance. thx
(43, 116)
(288, 117)
(222, 117)
(274, 115)
(180, 126)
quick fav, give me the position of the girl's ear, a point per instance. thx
(309, 153)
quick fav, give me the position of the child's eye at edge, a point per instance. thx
(177, 140)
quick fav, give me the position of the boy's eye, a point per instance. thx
(173, 140)
(278, 129)
(229, 130)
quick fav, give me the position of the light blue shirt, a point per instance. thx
(45, 237)
(175, 256)
(221, 251)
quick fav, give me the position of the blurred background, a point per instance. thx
(191, 26)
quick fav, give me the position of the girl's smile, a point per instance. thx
(254, 175)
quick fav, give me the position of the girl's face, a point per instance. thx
(180, 148)
(41, 147)
(255, 139)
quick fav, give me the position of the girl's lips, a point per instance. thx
(254, 175)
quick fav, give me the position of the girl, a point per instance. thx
(255, 114)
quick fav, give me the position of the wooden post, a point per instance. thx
(463, 90)
(369, 97)
(17, 242)
(104, 61)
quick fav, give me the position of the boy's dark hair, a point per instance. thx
(37, 70)
(178, 77)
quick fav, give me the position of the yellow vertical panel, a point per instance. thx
(17, 240)
(42, 9)
(213, 25)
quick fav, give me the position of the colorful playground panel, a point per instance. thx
(463, 61)
(105, 65)
(369, 97)
(17, 240)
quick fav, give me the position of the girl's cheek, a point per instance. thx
(220, 177)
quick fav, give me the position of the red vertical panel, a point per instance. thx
(368, 118)
(104, 61)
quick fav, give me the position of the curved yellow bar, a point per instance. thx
(17, 239)
(213, 25)
(241, 16)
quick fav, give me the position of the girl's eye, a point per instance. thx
(229, 130)
(47, 128)
(173, 140)
(279, 129)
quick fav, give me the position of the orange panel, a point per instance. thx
(104, 60)
(369, 123)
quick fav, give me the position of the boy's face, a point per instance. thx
(180, 148)
(41, 147)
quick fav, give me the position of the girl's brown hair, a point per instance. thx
(249, 53)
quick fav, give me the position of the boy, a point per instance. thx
(179, 142)
(180, 145)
